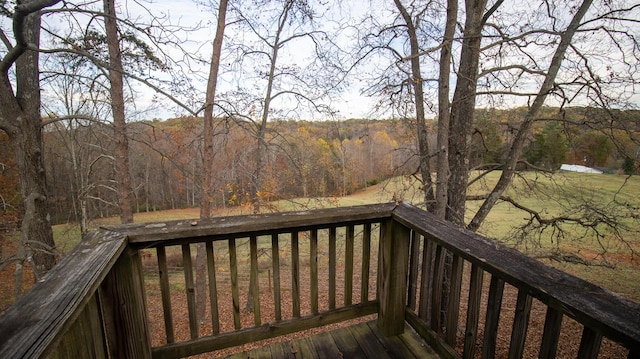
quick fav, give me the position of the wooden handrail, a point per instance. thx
(35, 325)
(149, 235)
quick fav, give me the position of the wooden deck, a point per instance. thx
(326, 266)
(362, 340)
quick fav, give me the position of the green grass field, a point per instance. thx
(606, 260)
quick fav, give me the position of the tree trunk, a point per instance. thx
(418, 94)
(123, 173)
(515, 151)
(36, 233)
(207, 187)
(462, 107)
(442, 175)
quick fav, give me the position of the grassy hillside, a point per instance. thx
(605, 260)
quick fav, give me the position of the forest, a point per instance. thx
(305, 159)
(110, 108)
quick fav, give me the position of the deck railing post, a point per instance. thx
(394, 254)
(123, 308)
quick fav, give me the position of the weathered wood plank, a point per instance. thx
(520, 325)
(255, 288)
(492, 318)
(235, 291)
(393, 288)
(247, 335)
(366, 263)
(348, 265)
(275, 258)
(165, 292)
(614, 316)
(295, 274)
(393, 344)
(245, 226)
(453, 307)
(124, 312)
(303, 349)
(37, 322)
(551, 334)
(85, 338)
(313, 269)
(324, 346)
(473, 311)
(190, 290)
(416, 344)
(283, 350)
(347, 344)
(213, 288)
(589, 344)
(432, 338)
(368, 341)
(414, 261)
(436, 292)
(426, 279)
(332, 268)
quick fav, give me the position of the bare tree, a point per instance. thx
(284, 87)
(123, 172)
(518, 143)
(419, 100)
(208, 133)
(20, 119)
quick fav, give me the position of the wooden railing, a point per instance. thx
(471, 257)
(304, 269)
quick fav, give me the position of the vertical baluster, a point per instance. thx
(295, 274)
(473, 311)
(233, 271)
(520, 324)
(348, 266)
(255, 287)
(453, 307)
(163, 273)
(551, 334)
(492, 319)
(381, 233)
(366, 263)
(190, 289)
(426, 281)
(413, 270)
(332, 268)
(436, 295)
(313, 264)
(213, 288)
(275, 255)
(589, 344)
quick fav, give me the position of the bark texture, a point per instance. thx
(123, 172)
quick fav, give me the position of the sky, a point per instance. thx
(351, 103)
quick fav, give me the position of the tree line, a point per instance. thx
(305, 158)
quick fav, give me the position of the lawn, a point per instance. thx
(606, 261)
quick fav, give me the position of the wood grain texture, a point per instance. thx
(265, 331)
(39, 320)
(606, 312)
(176, 232)
(393, 288)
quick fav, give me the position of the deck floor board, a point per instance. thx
(362, 340)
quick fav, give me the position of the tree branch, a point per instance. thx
(21, 12)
